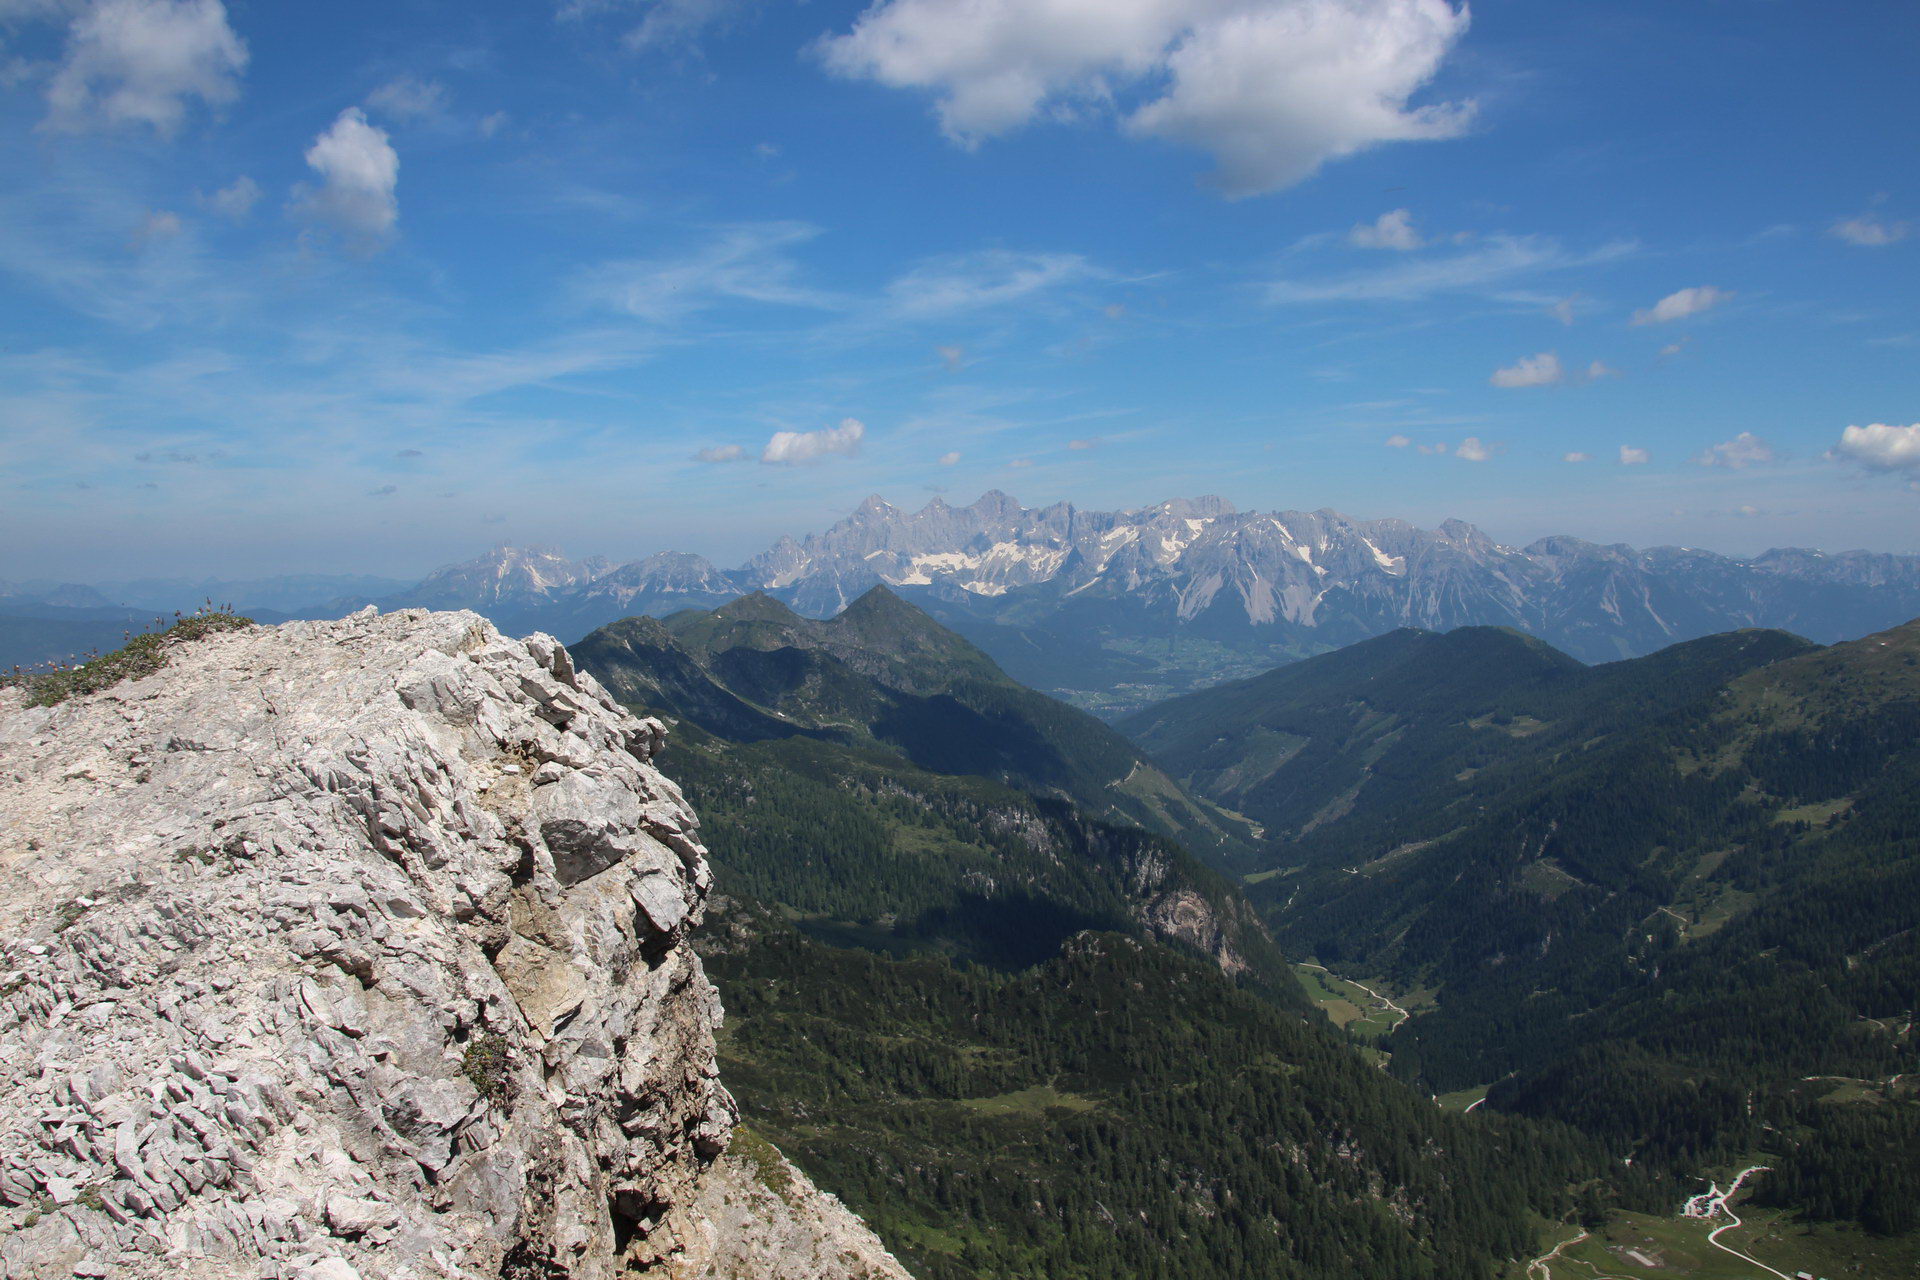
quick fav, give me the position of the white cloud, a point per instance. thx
(953, 357)
(1472, 450)
(948, 459)
(1680, 305)
(1542, 370)
(1869, 231)
(1398, 442)
(1601, 369)
(1563, 310)
(1577, 457)
(1880, 447)
(961, 282)
(1389, 231)
(1272, 88)
(236, 199)
(1081, 446)
(1498, 260)
(409, 98)
(1632, 457)
(1435, 448)
(746, 263)
(1744, 450)
(721, 453)
(134, 62)
(359, 173)
(493, 124)
(791, 448)
(1673, 349)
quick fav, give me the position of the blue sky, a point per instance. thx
(373, 286)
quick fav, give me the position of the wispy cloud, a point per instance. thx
(1496, 263)
(1743, 451)
(1392, 230)
(747, 262)
(1681, 304)
(1870, 231)
(956, 284)
(1542, 370)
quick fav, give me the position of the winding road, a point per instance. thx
(1404, 1015)
(1713, 1202)
(1545, 1260)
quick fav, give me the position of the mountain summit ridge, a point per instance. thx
(1114, 609)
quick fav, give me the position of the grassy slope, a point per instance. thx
(1659, 891)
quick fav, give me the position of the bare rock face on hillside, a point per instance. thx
(358, 948)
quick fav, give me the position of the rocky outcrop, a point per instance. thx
(358, 948)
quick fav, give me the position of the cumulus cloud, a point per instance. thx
(1272, 89)
(1398, 442)
(142, 62)
(1880, 447)
(1542, 370)
(236, 199)
(359, 174)
(1680, 305)
(1389, 231)
(1744, 450)
(949, 459)
(1472, 450)
(1577, 456)
(721, 453)
(1870, 231)
(1632, 457)
(791, 448)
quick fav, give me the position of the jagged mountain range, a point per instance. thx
(1113, 609)
(1116, 609)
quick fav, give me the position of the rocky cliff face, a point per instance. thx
(358, 948)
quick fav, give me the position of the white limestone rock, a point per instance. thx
(354, 949)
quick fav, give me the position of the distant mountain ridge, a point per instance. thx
(1116, 609)
(1113, 610)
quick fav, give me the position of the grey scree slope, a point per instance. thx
(358, 948)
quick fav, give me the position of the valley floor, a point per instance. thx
(1636, 1246)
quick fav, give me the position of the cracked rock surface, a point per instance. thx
(358, 949)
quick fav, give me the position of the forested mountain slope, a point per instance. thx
(1021, 1039)
(882, 673)
(1672, 900)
